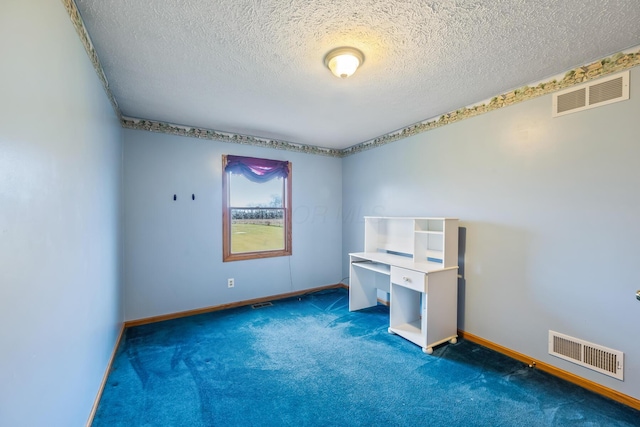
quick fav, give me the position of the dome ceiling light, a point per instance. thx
(344, 61)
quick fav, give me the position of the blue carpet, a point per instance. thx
(308, 361)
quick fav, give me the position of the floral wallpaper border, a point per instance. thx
(76, 19)
(615, 63)
(194, 132)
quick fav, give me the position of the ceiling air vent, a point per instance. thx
(593, 94)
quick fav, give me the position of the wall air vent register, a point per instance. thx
(593, 356)
(597, 93)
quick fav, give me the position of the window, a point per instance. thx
(256, 203)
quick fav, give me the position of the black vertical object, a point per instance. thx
(193, 197)
(174, 197)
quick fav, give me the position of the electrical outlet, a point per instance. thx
(230, 283)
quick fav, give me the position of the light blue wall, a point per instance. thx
(60, 250)
(549, 207)
(173, 249)
(551, 211)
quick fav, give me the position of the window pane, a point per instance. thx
(255, 230)
(260, 227)
(245, 193)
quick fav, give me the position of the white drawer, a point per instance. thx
(408, 278)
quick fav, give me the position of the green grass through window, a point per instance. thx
(254, 238)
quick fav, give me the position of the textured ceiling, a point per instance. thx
(255, 67)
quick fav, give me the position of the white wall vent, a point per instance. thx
(596, 357)
(597, 93)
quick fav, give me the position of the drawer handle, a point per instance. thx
(406, 279)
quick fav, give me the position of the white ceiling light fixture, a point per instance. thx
(344, 61)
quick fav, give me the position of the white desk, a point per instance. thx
(424, 295)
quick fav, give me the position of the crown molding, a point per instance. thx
(618, 62)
